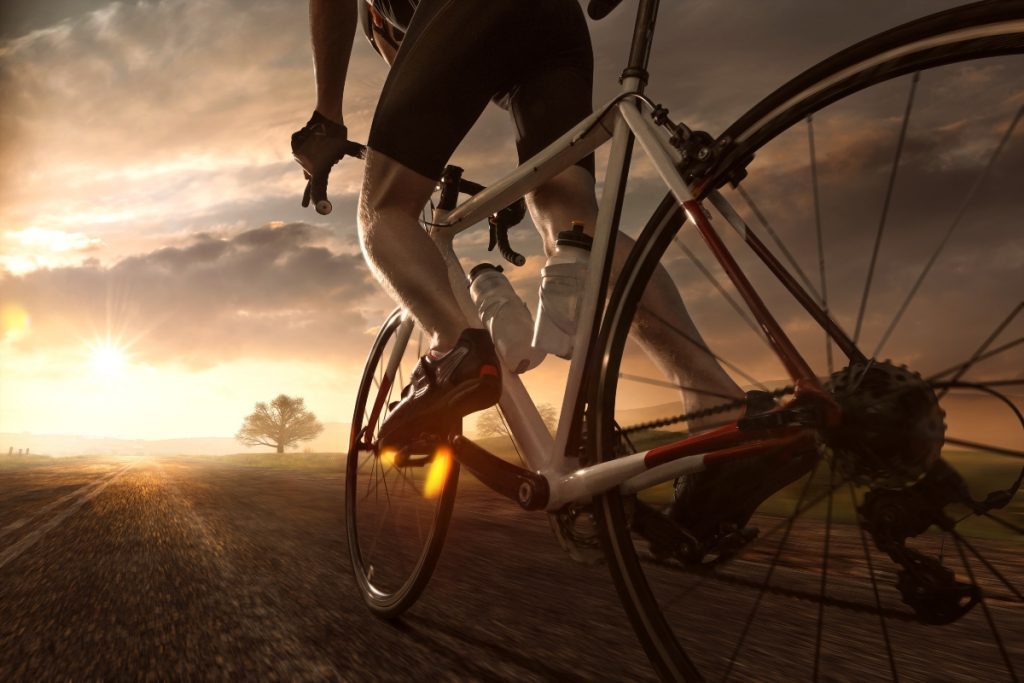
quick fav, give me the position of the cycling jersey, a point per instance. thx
(532, 57)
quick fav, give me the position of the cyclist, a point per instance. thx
(448, 59)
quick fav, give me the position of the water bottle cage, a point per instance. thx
(499, 224)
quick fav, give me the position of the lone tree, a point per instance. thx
(490, 423)
(283, 423)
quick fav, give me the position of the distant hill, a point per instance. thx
(334, 439)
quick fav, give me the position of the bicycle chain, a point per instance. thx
(697, 414)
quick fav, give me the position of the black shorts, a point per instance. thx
(532, 57)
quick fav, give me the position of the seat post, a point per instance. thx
(643, 38)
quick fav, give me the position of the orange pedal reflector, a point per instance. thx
(437, 475)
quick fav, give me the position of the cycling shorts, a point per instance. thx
(532, 57)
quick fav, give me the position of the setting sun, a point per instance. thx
(107, 359)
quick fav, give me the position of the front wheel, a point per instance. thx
(397, 504)
(897, 208)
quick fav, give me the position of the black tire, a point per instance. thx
(393, 552)
(1000, 33)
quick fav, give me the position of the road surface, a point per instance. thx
(188, 568)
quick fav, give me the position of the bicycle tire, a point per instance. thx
(1001, 34)
(389, 593)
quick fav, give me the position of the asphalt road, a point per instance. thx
(177, 568)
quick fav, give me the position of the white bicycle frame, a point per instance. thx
(621, 120)
(543, 454)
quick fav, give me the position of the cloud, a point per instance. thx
(137, 113)
(272, 291)
(165, 124)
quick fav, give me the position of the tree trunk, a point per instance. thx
(280, 448)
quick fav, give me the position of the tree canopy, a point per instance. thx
(280, 424)
(491, 423)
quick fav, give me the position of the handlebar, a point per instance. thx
(318, 194)
(452, 185)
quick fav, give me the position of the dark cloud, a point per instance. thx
(265, 292)
(975, 282)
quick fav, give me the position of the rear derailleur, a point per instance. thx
(892, 516)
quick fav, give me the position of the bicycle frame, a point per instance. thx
(622, 122)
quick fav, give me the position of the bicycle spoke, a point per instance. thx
(890, 654)
(824, 580)
(821, 245)
(1005, 523)
(984, 346)
(885, 206)
(985, 356)
(949, 231)
(768, 575)
(811, 289)
(985, 447)
(703, 347)
(988, 565)
(380, 526)
(410, 482)
(1004, 382)
(988, 613)
(721, 290)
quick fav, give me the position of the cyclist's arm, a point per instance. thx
(332, 26)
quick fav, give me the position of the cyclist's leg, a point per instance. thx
(400, 253)
(438, 86)
(662, 325)
(546, 103)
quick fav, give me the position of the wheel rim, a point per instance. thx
(814, 601)
(397, 506)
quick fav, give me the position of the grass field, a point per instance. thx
(984, 473)
(14, 461)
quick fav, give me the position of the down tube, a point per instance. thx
(525, 422)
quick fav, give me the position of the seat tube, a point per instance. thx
(597, 278)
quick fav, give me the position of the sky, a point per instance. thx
(158, 276)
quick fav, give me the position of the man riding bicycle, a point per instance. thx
(449, 58)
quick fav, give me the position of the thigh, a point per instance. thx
(456, 55)
(556, 93)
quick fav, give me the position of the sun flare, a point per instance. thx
(108, 359)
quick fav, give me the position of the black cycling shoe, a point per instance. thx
(714, 506)
(444, 390)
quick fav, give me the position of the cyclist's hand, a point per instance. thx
(317, 146)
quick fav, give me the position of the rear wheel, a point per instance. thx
(908, 233)
(398, 504)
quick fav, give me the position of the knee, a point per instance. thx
(376, 211)
(391, 195)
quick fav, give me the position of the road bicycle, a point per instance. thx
(893, 452)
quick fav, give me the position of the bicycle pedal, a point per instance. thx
(667, 539)
(731, 543)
